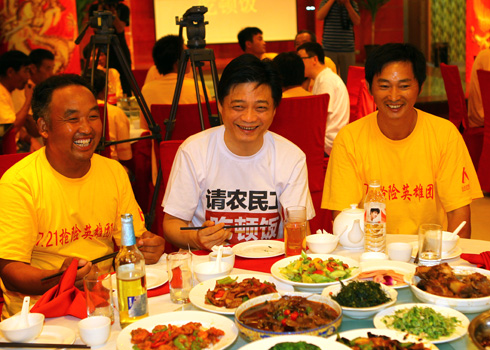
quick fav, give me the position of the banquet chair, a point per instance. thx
(8, 143)
(458, 113)
(484, 165)
(302, 120)
(355, 76)
(140, 76)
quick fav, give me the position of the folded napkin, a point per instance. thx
(480, 260)
(64, 298)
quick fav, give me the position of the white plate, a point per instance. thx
(406, 269)
(154, 278)
(312, 287)
(198, 293)
(259, 249)
(460, 330)
(180, 318)
(267, 343)
(400, 336)
(52, 335)
(452, 254)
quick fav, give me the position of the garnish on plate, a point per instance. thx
(387, 277)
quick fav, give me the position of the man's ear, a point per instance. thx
(248, 44)
(42, 127)
(10, 71)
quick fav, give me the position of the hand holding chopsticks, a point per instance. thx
(188, 228)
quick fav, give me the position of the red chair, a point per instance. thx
(458, 113)
(140, 76)
(303, 120)
(355, 75)
(7, 160)
(484, 165)
(8, 143)
(365, 102)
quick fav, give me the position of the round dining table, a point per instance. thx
(161, 303)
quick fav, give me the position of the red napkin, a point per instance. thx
(481, 260)
(64, 298)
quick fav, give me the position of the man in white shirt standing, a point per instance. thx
(326, 82)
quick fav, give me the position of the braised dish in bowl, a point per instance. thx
(295, 313)
(463, 288)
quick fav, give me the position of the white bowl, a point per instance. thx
(373, 256)
(362, 312)
(322, 243)
(95, 330)
(448, 244)
(206, 270)
(10, 331)
(465, 305)
(227, 257)
(399, 251)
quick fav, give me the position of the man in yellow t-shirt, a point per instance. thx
(63, 201)
(421, 160)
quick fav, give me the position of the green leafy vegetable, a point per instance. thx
(295, 346)
(361, 294)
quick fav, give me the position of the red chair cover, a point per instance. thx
(365, 102)
(7, 160)
(140, 76)
(354, 78)
(142, 185)
(9, 146)
(484, 164)
(303, 120)
(458, 114)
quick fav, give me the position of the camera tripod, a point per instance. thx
(103, 40)
(193, 19)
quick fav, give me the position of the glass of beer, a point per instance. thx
(295, 230)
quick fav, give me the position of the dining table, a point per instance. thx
(159, 304)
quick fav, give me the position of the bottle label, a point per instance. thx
(137, 305)
(375, 213)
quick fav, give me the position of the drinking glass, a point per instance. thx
(430, 244)
(98, 294)
(179, 266)
(295, 230)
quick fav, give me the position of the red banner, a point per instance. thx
(26, 25)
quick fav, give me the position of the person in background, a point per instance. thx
(475, 107)
(420, 159)
(326, 82)
(121, 14)
(166, 56)
(291, 68)
(118, 123)
(251, 40)
(14, 74)
(237, 173)
(306, 36)
(63, 202)
(339, 17)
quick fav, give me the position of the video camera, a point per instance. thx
(102, 22)
(193, 19)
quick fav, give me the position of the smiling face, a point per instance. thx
(247, 112)
(73, 130)
(395, 91)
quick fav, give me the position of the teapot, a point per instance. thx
(349, 227)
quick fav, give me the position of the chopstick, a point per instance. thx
(95, 261)
(187, 228)
(43, 345)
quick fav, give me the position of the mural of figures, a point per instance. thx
(48, 24)
(477, 30)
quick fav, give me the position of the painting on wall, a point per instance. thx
(477, 31)
(26, 25)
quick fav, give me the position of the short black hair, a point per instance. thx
(375, 210)
(290, 67)
(99, 80)
(247, 34)
(312, 35)
(13, 59)
(396, 52)
(166, 52)
(43, 93)
(313, 49)
(37, 56)
(247, 68)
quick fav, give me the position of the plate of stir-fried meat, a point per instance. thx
(358, 339)
(463, 288)
(224, 295)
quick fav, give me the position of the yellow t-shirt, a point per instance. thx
(46, 217)
(7, 109)
(422, 176)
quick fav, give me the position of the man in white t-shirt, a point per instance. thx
(238, 173)
(326, 82)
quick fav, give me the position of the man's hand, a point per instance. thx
(212, 235)
(152, 247)
(86, 266)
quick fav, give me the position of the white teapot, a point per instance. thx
(349, 227)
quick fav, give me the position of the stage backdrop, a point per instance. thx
(277, 19)
(48, 24)
(477, 31)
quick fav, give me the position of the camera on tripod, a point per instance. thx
(193, 20)
(102, 22)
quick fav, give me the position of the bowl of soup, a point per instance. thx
(298, 313)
